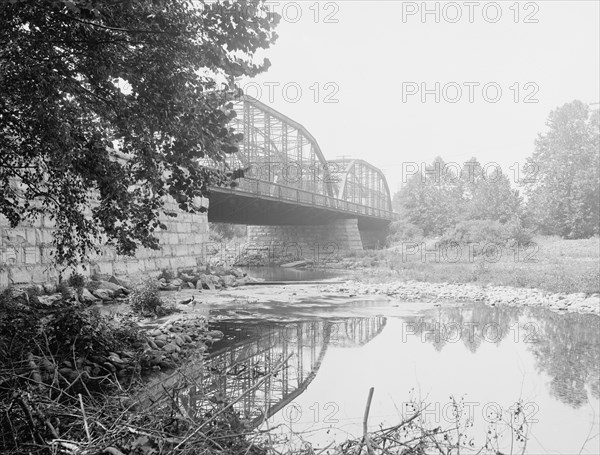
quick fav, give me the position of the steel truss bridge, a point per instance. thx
(289, 179)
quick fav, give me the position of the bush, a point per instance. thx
(166, 274)
(486, 232)
(62, 331)
(145, 300)
(77, 281)
(518, 234)
(85, 331)
(403, 230)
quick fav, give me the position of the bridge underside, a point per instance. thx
(229, 206)
(303, 231)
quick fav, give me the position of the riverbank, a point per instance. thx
(550, 264)
(463, 292)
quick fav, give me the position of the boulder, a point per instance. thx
(36, 289)
(115, 289)
(124, 282)
(169, 287)
(187, 278)
(160, 342)
(237, 273)
(171, 347)
(103, 294)
(178, 341)
(87, 297)
(176, 282)
(49, 288)
(229, 280)
(215, 334)
(48, 299)
(241, 281)
(207, 282)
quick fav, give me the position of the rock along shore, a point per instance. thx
(464, 292)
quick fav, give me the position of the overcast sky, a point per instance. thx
(375, 57)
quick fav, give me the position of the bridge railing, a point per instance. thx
(277, 191)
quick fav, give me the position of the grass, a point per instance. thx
(551, 264)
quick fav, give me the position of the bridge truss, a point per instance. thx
(285, 162)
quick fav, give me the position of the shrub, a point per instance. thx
(145, 300)
(77, 281)
(480, 233)
(64, 330)
(84, 330)
(166, 274)
(518, 234)
(403, 230)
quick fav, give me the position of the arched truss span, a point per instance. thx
(279, 150)
(286, 162)
(361, 183)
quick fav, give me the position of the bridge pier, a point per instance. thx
(312, 242)
(373, 238)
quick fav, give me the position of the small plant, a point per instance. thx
(145, 300)
(77, 281)
(166, 274)
(63, 288)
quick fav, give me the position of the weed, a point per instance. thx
(145, 300)
(77, 281)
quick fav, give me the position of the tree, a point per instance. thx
(430, 200)
(442, 195)
(114, 105)
(488, 194)
(562, 175)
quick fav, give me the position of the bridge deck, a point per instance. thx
(266, 203)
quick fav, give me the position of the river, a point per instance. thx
(473, 357)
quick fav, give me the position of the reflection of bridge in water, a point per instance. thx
(240, 363)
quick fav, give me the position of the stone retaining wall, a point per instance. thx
(25, 250)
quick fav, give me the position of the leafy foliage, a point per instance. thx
(113, 106)
(64, 330)
(402, 230)
(77, 280)
(438, 198)
(144, 299)
(564, 171)
(486, 232)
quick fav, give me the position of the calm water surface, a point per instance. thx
(491, 357)
(290, 273)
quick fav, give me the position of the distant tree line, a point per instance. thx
(556, 193)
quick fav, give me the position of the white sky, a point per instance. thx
(370, 52)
